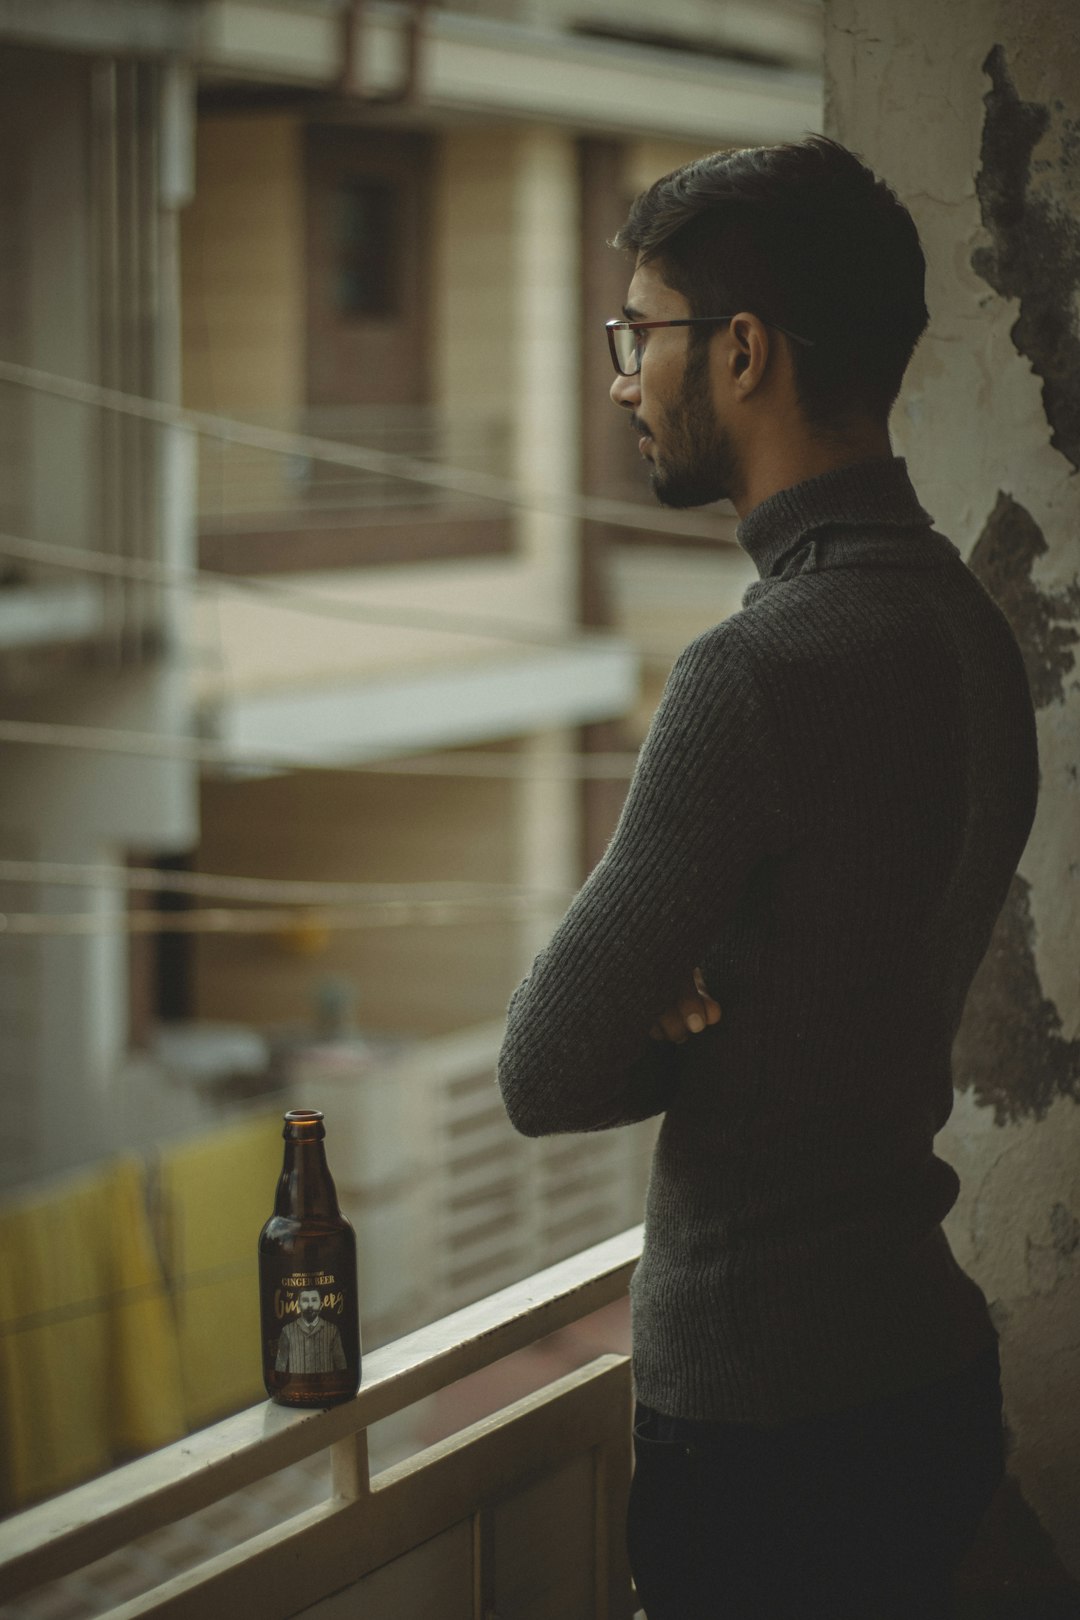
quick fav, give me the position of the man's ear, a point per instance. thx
(749, 353)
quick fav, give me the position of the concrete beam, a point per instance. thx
(439, 708)
(478, 65)
(615, 87)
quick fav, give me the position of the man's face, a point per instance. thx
(310, 1304)
(693, 457)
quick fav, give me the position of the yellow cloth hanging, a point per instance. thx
(99, 1359)
(216, 1193)
(88, 1363)
(146, 1403)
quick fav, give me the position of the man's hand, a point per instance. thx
(694, 1011)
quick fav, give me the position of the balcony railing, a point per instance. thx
(519, 1514)
(262, 511)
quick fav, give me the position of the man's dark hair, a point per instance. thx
(805, 236)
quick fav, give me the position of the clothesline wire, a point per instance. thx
(298, 891)
(319, 907)
(277, 920)
(608, 766)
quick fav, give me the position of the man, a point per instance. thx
(776, 947)
(310, 1345)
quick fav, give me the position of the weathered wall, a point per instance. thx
(972, 112)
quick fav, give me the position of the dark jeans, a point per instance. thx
(861, 1515)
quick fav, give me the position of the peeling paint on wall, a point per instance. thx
(1010, 1050)
(1034, 254)
(1048, 1265)
(1003, 558)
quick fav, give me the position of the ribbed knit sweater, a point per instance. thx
(825, 816)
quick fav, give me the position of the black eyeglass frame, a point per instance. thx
(611, 327)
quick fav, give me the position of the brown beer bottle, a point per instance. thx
(307, 1278)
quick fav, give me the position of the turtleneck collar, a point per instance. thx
(869, 495)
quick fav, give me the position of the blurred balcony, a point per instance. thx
(261, 512)
(429, 649)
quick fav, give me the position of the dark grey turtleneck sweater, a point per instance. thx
(825, 816)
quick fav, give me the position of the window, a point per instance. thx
(366, 234)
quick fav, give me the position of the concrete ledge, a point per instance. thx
(444, 707)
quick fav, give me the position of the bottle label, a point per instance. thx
(310, 1305)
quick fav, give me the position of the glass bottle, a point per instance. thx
(307, 1278)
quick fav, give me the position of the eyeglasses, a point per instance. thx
(627, 347)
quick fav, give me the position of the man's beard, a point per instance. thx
(699, 463)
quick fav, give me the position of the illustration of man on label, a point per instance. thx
(310, 1345)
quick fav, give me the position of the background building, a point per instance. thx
(325, 699)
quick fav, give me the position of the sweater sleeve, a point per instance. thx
(703, 809)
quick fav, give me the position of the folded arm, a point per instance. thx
(702, 810)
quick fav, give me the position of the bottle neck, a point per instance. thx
(306, 1187)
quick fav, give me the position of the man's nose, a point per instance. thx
(626, 391)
